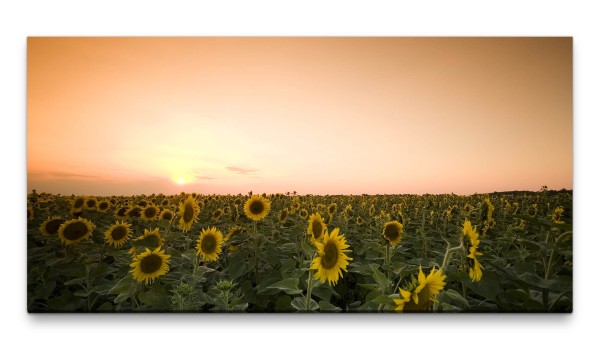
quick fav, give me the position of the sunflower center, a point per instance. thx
(118, 233)
(151, 264)
(330, 256)
(78, 203)
(391, 232)
(188, 213)
(91, 203)
(256, 207)
(317, 229)
(167, 216)
(209, 244)
(75, 231)
(103, 205)
(122, 211)
(53, 226)
(150, 212)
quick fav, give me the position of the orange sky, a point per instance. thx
(122, 116)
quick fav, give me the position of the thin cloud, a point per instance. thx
(240, 170)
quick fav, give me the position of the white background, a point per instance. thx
(20, 19)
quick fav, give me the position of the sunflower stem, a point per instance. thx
(256, 252)
(308, 291)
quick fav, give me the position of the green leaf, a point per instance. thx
(451, 296)
(288, 285)
(326, 306)
(380, 278)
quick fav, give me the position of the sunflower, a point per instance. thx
(78, 203)
(359, 220)
(29, 212)
(474, 265)
(557, 215)
(50, 227)
(118, 234)
(103, 206)
(257, 207)
(75, 230)
(470, 234)
(404, 298)
(152, 239)
(209, 244)
(150, 212)
(303, 213)
(332, 208)
(316, 227)
(91, 203)
(134, 212)
(236, 230)
(188, 213)
(121, 213)
(331, 258)
(424, 291)
(392, 232)
(167, 215)
(283, 215)
(149, 265)
(217, 215)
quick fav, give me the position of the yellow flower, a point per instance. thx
(50, 227)
(166, 214)
(149, 265)
(474, 265)
(392, 232)
(103, 206)
(150, 212)
(557, 215)
(209, 244)
(425, 290)
(470, 234)
(316, 227)
(257, 207)
(78, 204)
(118, 234)
(75, 230)
(91, 203)
(404, 298)
(331, 258)
(188, 213)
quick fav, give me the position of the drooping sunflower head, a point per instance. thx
(426, 290)
(316, 227)
(474, 265)
(150, 212)
(51, 225)
(75, 230)
(118, 234)
(557, 215)
(283, 215)
(331, 258)
(209, 244)
(392, 232)
(134, 212)
(150, 239)
(167, 215)
(257, 207)
(470, 234)
(149, 265)
(236, 230)
(188, 213)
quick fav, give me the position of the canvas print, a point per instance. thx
(388, 175)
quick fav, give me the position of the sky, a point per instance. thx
(320, 115)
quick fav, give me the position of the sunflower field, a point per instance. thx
(500, 252)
